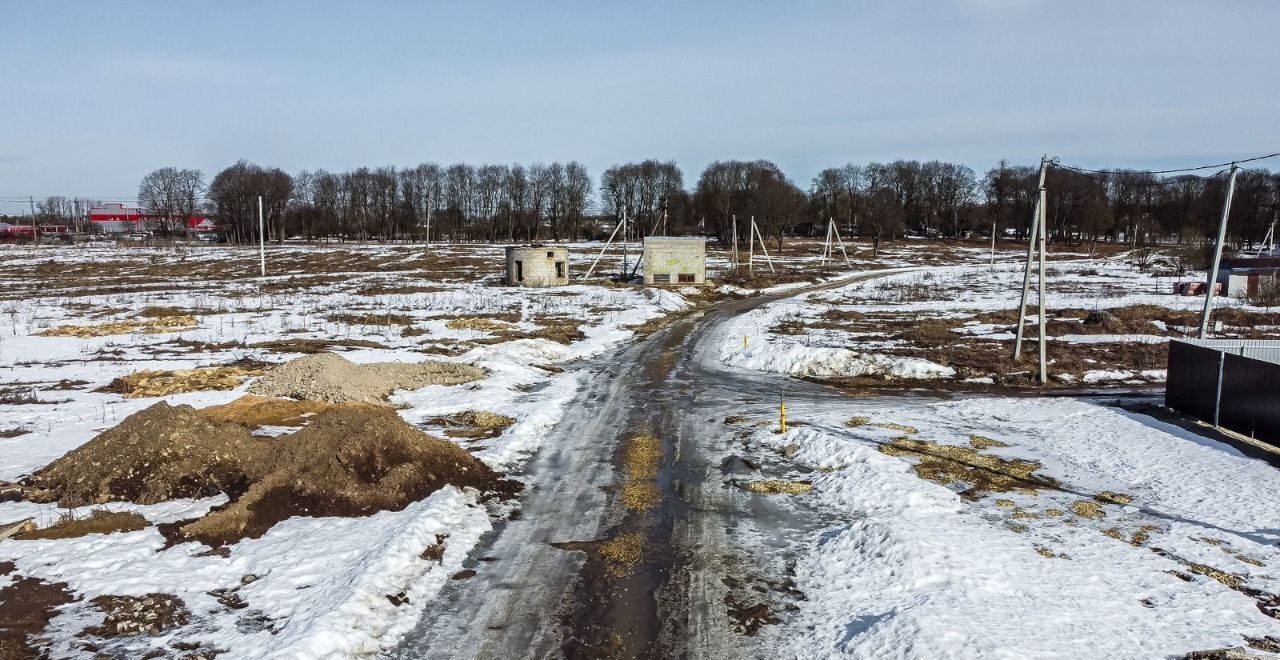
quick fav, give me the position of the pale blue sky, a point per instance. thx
(98, 94)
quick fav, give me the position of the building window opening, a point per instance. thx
(686, 277)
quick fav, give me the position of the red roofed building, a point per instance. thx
(120, 219)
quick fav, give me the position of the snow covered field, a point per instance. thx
(957, 323)
(311, 587)
(1132, 539)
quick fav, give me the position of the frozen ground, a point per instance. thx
(958, 323)
(1153, 542)
(897, 565)
(321, 587)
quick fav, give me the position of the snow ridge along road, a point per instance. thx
(580, 572)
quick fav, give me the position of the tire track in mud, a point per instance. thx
(604, 562)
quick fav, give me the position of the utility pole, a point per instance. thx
(735, 244)
(1217, 253)
(993, 242)
(1026, 273)
(751, 249)
(1043, 205)
(262, 241)
(624, 243)
(430, 203)
(35, 233)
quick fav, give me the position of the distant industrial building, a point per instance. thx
(537, 265)
(120, 219)
(675, 260)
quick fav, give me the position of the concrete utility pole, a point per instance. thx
(1026, 274)
(1217, 253)
(430, 203)
(993, 242)
(262, 241)
(35, 233)
(1044, 221)
(735, 244)
(624, 244)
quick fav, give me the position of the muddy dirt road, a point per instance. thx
(626, 542)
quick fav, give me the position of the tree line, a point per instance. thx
(560, 201)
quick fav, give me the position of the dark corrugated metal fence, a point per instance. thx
(1238, 393)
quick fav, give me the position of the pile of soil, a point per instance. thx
(253, 411)
(351, 460)
(334, 379)
(161, 453)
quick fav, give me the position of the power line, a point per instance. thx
(1197, 168)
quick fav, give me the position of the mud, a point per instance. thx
(26, 607)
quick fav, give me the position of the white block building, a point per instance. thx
(675, 260)
(537, 265)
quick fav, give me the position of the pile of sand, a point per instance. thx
(157, 454)
(351, 460)
(334, 379)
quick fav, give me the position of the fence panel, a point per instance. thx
(1251, 398)
(1192, 380)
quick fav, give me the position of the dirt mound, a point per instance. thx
(157, 454)
(351, 460)
(334, 379)
(252, 411)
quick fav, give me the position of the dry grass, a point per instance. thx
(100, 521)
(155, 325)
(313, 346)
(777, 487)
(949, 464)
(858, 420)
(1088, 509)
(622, 553)
(1108, 497)
(903, 428)
(149, 383)
(981, 442)
(478, 323)
(641, 457)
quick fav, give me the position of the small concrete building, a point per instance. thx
(675, 260)
(537, 265)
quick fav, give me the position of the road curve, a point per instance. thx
(532, 599)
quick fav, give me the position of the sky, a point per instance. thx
(98, 94)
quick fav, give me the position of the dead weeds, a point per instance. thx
(982, 473)
(151, 383)
(99, 521)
